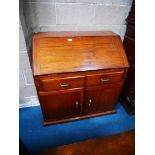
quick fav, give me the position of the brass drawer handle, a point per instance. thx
(64, 85)
(104, 80)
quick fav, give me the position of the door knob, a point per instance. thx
(77, 104)
(90, 102)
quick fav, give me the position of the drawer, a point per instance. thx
(99, 79)
(62, 83)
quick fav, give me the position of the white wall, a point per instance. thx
(65, 15)
(76, 15)
(27, 91)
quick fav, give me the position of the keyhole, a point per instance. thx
(69, 39)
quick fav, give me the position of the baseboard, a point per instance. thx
(26, 105)
(30, 101)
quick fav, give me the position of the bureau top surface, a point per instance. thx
(62, 52)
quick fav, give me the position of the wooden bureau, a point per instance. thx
(78, 74)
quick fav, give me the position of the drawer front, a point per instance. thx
(99, 79)
(62, 83)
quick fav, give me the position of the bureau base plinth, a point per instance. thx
(51, 122)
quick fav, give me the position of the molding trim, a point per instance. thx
(28, 104)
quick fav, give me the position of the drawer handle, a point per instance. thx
(77, 104)
(64, 85)
(104, 80)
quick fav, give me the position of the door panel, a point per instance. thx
(101, 98)
(61, 104)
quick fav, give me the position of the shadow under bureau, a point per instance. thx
(78, 74)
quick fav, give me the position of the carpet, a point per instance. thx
(37, 138)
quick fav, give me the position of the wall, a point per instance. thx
(68, 15)
(76, 15)
(27, 91)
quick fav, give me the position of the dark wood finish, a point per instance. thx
(128, 93)
(51, 122)
(101, 98)
(61, 83)
(99, 79)
(71, 67)
(61, 104)
(81, 73)
(119, 144)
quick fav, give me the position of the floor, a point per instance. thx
(119, 144)
(38, 138)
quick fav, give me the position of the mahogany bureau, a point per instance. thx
(78, 74)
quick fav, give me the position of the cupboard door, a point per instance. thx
(101, 98)
(61, 104)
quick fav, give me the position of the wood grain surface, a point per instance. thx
(56, 54)
(119, 144)
(78, 75)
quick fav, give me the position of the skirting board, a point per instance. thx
(26, 105)
(29, 102)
